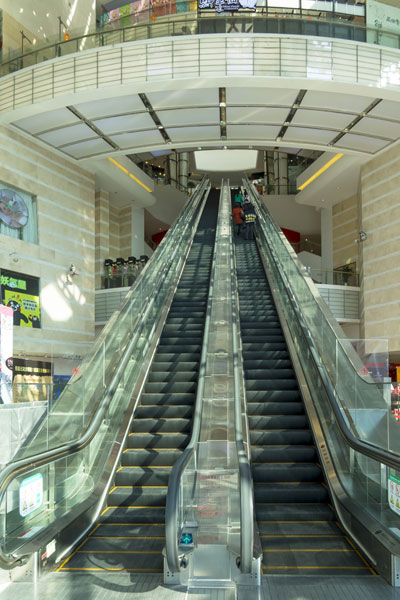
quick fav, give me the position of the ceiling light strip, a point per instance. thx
(131, 175)
(320, 171)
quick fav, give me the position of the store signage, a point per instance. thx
(30, 494)
(228, 5)
(394, 493)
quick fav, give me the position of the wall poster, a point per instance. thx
(21, 293)
(6, 352)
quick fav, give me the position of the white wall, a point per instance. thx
(290, 215)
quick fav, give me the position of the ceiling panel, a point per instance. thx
(361, 142)
(331, 100)
(110, 106)
(125, 123)
(141, 138)
(191, 134)
(47, 120)
(247, 95)
(66, 135)
(253, 114)
(378, 127)
(324, 119)
(188, 116)
(194, 97)
(252, 132)
(304, 135)
(83, 149)
(390, 110)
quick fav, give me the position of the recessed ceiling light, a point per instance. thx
(47, 15)
(161, 127)
(222, 104)
(21, 10)
(34, 13)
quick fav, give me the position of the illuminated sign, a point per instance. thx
(228, 5)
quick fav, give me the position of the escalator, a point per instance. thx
(130, 532)
(298, 528)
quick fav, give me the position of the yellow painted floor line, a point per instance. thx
(308, 550)
(360, 555)
(305, 535)
(131, 524)
(113, 569)
(70, 556)
(144, 467)
(134, 506)
(290, 522)
(264, 568)
(120, 551)
(130, 537)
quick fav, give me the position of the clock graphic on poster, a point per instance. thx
(13, 210)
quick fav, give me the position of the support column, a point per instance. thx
(327, 243)
(281, 176)
(173, 169)
(102, 233)
(269, 179)
(137, 239)
(183, 171)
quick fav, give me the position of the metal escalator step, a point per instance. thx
(156, 411)
(267, 332)
(272, 339)
(282, 421)
(281, 436)
(182, 338)
(158, 440)
(178, 347)
(168, 376)
(139, 496)
(123, 543)
(263, 346)
(140, 562)
(275, 408)
(263, 363)
(271, 384)
(289, 492)
(317, 561)
(273, 395)
(133, 514)
(251, 374)
(290, 512)
(250, 355)
(175, 365)
(150, 457)
(112, 530)
(185, 327)
(156, 426)
(175, 357)
(185, 321)
(170, 387)
(298, 528)
(289, 472)
(284, 453)
(140, 475)
(170, 399)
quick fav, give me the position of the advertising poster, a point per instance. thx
(394, 493)
(21, 293)
(32, 380)
(30, 494)
(6, 352)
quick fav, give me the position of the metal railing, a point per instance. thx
(193, 23)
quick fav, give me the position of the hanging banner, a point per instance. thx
(228, 5)
(6, 352)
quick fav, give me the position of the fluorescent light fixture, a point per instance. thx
(131, 175)
(320, 171)
(225, 160)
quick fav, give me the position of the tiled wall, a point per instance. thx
(345, 232)
(66, 210)
(380, 219)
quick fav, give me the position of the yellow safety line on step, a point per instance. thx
(113, 569)
(70, 556)
(360, 555)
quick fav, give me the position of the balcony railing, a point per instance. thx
(149, 26)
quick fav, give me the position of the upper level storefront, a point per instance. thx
(31, 35)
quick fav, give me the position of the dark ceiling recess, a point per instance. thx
(155, 118)
(222, 113)
(291, 113)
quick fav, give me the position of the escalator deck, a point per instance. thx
(298, 528)
(129, 535)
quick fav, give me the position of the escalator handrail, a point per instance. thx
(174, 483)
(245, 476)
(387, 457)
(16, 468)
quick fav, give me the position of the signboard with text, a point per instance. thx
(21, 293)
(30, 494)
(228, 5)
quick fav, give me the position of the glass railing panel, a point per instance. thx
(366, 481)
